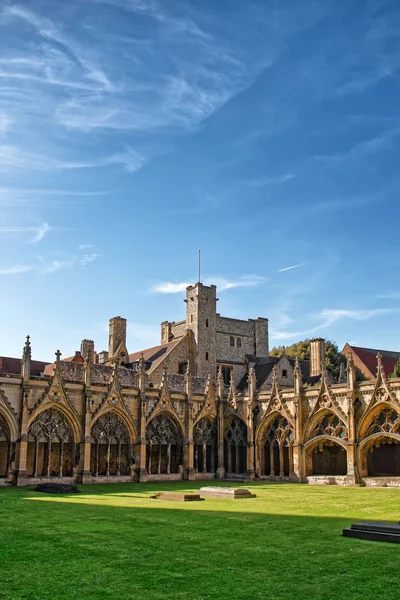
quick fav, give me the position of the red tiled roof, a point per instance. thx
(368, 357)
(13, 366)
(156, 354)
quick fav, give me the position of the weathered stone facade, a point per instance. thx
(91, 423)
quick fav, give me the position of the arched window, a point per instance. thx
(235, 446)
(205, 446)
(111, 450)
(386, 421)
(51, 448)
(278, 455)
(330, 425)
(328, 458)
(5, 447)
(164, 446)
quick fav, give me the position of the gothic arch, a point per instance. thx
(275, 446)
(6, 446)
(52, 450)
(379, 447)
(205, 445)
(68, 414)
(325, 455)
(235, 445)
(111, 445)
(330, 421)
(170, 415)
(9, 416)
(266, 421)
(128, 422)
(368, 417)
(164, 441)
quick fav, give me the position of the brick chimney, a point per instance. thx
(317, 356)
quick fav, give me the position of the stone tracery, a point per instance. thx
(205, 445)
(51, 448)
(277, 445)
(164, 446)
(111, 449)
(235, 446)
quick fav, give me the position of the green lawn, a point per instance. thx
(114, 542)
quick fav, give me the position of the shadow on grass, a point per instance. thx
(54, 547)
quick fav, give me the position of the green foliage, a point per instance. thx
(334, 358)
(114, 542)
(396, 370)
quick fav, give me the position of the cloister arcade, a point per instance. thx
(205, 446)
(164, 446)
(111, 448)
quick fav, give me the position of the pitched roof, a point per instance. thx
(13, 366)
(263, 368)
(156, 354)
(368, 357)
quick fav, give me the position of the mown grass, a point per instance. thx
(114, 542)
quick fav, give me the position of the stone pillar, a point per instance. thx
(352, 472)
(141, 467)
(189, 472)
(85, 475)
(220, 440)
(22, 444)
(249, 474)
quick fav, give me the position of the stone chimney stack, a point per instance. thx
(103, 357)
(317, 356)
(117, 340)
(87, 351)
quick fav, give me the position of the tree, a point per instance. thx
(396, 370)
(333, 357)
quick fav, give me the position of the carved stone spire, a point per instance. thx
(342, 374)
(87, 371)
(232, 391)
(351, 371)
(220, 384)
(141, 374)
(26, 360)
(252, 383)
(297, 377)
(188, 380)
(379, 369)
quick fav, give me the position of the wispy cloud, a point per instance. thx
(16, 270)
(38, 232)
(289, 268)
(169, 287)
(85, 246)
(328, 317)
(13, 157)
(390, 296)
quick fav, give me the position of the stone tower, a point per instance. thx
(117, 340)
(317, 356)
(201, 318)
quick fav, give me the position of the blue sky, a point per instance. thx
(134, 132)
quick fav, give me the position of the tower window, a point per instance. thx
(191, 318)
(207, 356)
(232, 341)
(182, 368)
(206, 322)
(226, 374)
(238, 342)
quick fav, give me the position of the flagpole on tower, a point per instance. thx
(199, 265)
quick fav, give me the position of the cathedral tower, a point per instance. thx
(201, 318)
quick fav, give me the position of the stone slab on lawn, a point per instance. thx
(225, 492)
(57, 488)
(177, 497)
(374, 531)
